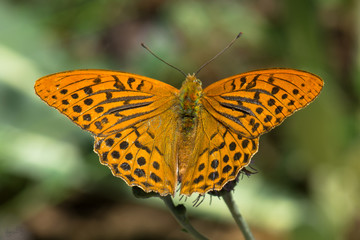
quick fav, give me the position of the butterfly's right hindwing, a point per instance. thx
(219, 154)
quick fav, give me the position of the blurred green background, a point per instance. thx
(52, 185)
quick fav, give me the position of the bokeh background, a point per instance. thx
(52, 185)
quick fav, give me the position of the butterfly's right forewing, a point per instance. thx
(253, 103)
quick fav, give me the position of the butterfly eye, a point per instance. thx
(198, 81)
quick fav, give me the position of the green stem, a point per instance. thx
(240, 221)
(179, 212)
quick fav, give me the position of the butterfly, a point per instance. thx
(156, 137)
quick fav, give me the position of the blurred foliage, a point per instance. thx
(308, 185)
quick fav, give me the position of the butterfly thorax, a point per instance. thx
(190, 94)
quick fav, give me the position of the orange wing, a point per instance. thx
(144, 154)
(253, 103)
(218, 156)
(236, 111)
(132, 117)
(104, 102)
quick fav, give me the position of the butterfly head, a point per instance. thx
(191, 88)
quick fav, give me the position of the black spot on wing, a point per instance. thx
(118, 84)
(139, 87)
(130, 81)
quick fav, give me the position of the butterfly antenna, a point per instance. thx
(143, 45)
(221, 52)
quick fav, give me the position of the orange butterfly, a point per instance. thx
(155, 136)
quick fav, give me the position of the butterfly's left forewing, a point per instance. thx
(104, 102)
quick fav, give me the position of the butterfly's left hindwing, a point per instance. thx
(253, 103)
(144, 155)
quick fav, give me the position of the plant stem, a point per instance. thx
(240, 221)
(179, 212)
